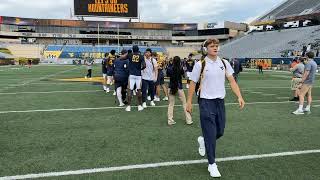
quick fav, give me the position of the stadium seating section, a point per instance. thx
(293, 8)
(271, 44)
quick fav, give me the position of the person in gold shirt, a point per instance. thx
(160, 80)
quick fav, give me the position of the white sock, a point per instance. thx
(119, 95)
(308, 107)
(300, 108)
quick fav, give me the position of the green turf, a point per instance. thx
(70, 140)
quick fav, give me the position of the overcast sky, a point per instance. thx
(165, 11)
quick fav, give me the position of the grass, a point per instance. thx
(70, 140)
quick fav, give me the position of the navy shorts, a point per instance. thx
(110, 73)
(121, 83)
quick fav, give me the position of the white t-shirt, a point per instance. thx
(149, 72)
(214, 76)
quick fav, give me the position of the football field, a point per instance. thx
(53, 129)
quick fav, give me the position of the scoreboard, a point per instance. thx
(106, 8)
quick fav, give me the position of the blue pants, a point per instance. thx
(147, 85)
(212, 119)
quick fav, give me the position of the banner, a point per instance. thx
(268, 62)
(83, 36)
(106, 8)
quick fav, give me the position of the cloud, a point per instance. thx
(162, 11)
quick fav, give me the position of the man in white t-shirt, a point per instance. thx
(149, 77)
(211, 73)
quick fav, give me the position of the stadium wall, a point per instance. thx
(270, 61)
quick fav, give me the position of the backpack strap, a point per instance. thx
(225, 66)
(203, 64)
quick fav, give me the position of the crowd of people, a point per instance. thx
(133, 73)
(304, 71)
(143, 75)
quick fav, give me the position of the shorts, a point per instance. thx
(110, 72)
(296, 83)
(160, 79)
(135, 80)
(121, 83)
(305, 88)
(189, 75)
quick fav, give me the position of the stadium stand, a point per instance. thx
(78, 51)
(25, 50)
(180, 51)
(272, 43)
(292, 8)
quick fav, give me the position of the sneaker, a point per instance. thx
(152, 103)
(213, 170)
(149, 98)
(190, 123)
(114, 93)
(171, 123)
(202, 148)
(121, 104)
(165, 99)
(144, 105)
(294, 99)
(86, 77)
(156, 99)
(140, 108)
(108, 90)
(307, 110)
(128, 109)
(298, 112)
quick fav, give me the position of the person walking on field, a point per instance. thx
(210, 74)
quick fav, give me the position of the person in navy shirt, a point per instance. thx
(189, 67)
(110, 61)
(104, 71)
(136, 65)
(121, 75)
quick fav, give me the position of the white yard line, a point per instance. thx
(103, 108)
(254, 92)
(53, 83)
(275, 87)
(88, 83)
(52, 92)
(268, 94)
(39, 79)
(283, 97)
(157, 165)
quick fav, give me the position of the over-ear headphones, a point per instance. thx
(204, 49)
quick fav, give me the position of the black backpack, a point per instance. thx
(203, 64)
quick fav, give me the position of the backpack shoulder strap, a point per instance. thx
(203, 64)
(225, 66)
(224, 63)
